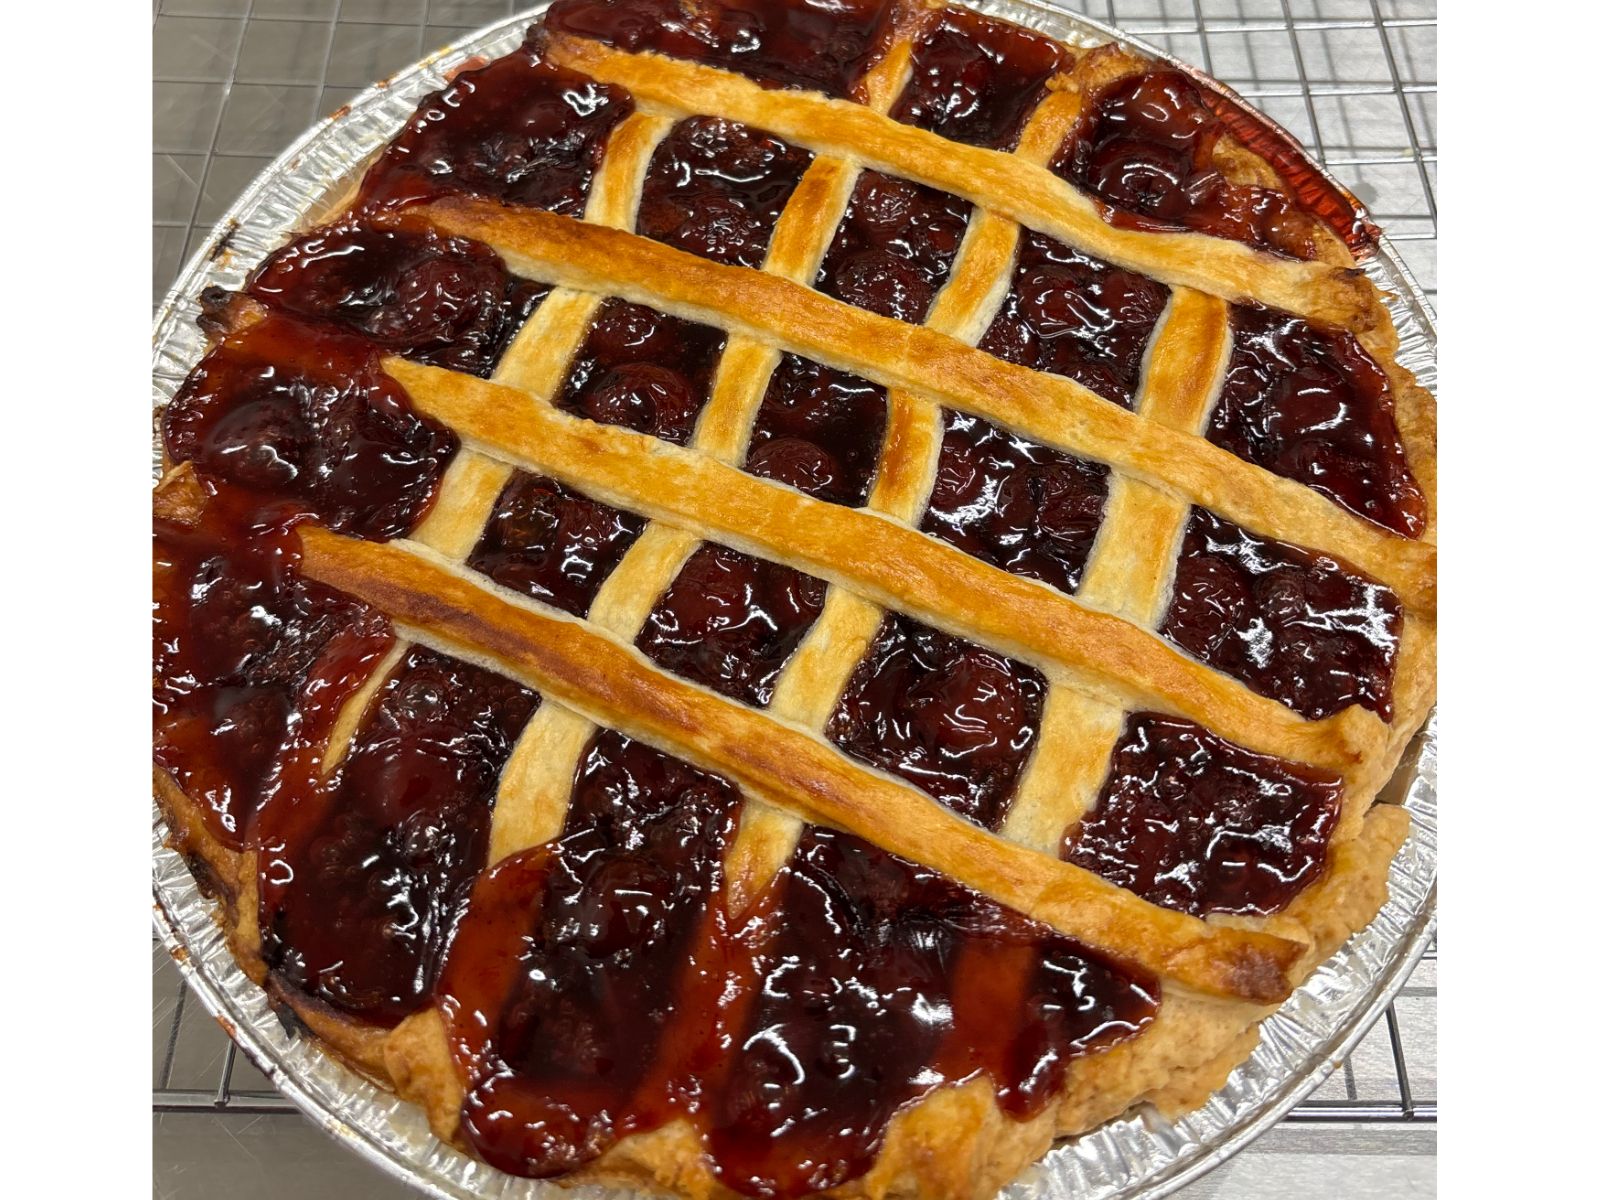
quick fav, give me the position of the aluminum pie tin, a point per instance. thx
(1140, 1154)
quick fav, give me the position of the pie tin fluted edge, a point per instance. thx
(1140, 1154)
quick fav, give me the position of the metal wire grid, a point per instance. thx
(1353, 79)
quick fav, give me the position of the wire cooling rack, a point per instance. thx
(237, 80)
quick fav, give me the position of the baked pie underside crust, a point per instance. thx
(797, 597)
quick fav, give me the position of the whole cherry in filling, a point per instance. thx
(1298, 627)
(583, 982)
(951, 717)
(715, 188)
(880, 981)
(362, 881)
(252, 661)
(818, 45)
(974, 79)
(1146, 146)
(819, 430)
(519, 130)
(643, 370)
(730, 621)
(1027, 508)
(1192, 822)
(1311, 405)
(553, 543)
(302, 414)
(1073, 315)
(894, 248)
(439, 300)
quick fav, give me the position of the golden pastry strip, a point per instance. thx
(1025, 191)
(1047, 408)
(610, 683)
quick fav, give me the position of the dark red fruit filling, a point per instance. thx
(304, 417)
(882, 981)
(583, 982)
(251, 660)
(894, 249)
(1310, 404)
(1016, 504)
(439, 300)
(552, 543)
(1192, 822)
(643, 370)
(1146, 146)
(1073, 315)
(1298, 627)
(819, 430)
(951, 717)
(730, 622)
(518, 130)
(817, 45)
(362, 880)
(715, 188)
(975, 79)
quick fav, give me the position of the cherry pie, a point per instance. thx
(797, 595)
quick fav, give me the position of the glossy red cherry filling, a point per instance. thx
(730, 622)
(1073, 315)
(301, 415)
(880, 982)
(1298, 627)
(643, 370)
(1026, 508)
(820, 431)
(363, 879)
(817, 45)
(518, 130)
(582, 986)
(552, 543)
(1146, 146)
(1311, 405)
(949, 716)
(251, 660)
(715, 188)
(894, 248)
(440, 300)
(1192, 822)
(976, 80)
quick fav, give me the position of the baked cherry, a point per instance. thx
(819, 430)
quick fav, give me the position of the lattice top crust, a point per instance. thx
(797, 595)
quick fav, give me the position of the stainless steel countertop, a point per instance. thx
(237, 80)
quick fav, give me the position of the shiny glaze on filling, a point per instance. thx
(1296, 626)
(302, 415)
(643, 370)
(1146, 146)
(953, 718)
(730, 621)
(715, 188)
(553, 543)
(975, 80)
(362, 880)
(819, 430)
(816, 45)
(1192, 822)
(518, 130)
(1015, 504)
(894, 247)
(1073, 315)
(1311, 405)
(439, 300)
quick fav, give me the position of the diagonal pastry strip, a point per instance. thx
(993, 179)
(614, 685)
(1048, 408)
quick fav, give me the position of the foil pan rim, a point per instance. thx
(1140, 1153)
